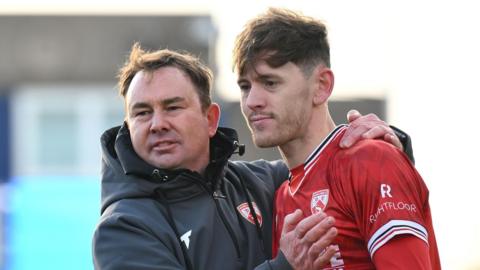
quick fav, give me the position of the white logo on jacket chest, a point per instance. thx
(186, 238)
(319, 201)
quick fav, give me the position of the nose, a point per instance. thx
(159, 123)
(255, 99)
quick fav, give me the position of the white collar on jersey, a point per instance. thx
(313, 157)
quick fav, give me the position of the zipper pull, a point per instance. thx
(218, 195)
(238, 148)
(157, 175)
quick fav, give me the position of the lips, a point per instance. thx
(259, 119)
(164, 145)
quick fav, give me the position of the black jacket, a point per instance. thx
(163, 219)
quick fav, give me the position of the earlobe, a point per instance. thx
(324, 86)
(213, 115)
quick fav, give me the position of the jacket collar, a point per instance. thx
(222, 145)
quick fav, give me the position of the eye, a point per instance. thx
(270, 83)
(244, 87)
(141, 113)
(173, 108)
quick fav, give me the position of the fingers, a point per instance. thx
(393, 139)
(352, 115)
(324, 258)
(319, 230)
(385, 133)
(312, 226)
(319, 246)
(366, 127)
(352, 135)
(358, 125)
(291, 221)
(320, 252)
(377, 132)
(308, 240)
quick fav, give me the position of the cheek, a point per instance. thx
(138, 134)
(136, 142)
(201, 132)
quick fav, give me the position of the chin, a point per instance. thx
(264, 142)
(164, 164)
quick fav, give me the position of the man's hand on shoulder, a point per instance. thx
(305, 243)
(368, 127)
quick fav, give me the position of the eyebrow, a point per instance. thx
(164, 102)
(168, 101)
(140, 105)
(268, 76)
(242, 80)
(259, 77)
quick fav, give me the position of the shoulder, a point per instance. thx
(131, 213)
(261, 165)
(128, 234)
(371, 161)
(269, 172)
(371, 155)
(130, 222)
(369, 149)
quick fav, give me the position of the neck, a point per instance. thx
(296, 151)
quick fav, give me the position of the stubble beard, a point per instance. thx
(275, 137)
(286, 129)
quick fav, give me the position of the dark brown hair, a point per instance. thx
(200, 75)
(280, 36)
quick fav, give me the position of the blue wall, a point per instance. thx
(50, 222)
(4, 138)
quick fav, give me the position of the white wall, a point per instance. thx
(89, 110)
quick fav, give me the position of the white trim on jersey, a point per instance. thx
(393, 228)
(318, 150)
(313, 157)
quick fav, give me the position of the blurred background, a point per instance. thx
(413, 63)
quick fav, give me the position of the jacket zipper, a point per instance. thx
(215, 197)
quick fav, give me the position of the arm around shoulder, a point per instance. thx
(406, 142)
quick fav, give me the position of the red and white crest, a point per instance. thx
(319, 201)
(245, 212)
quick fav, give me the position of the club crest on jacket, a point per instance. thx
(246, 213)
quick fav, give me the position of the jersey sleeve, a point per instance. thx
(403, 252)
(384, 193)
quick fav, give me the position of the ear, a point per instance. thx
(213, 115)
(324, 81)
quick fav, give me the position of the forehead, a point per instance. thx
(162, 83)
(261, 69)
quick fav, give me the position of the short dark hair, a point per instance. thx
(200, 75)
(280, 36)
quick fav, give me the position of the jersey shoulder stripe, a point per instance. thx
(312, 159)
(318, 150)
(393, 228)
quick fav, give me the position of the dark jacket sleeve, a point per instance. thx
(122, 243)
(406, 142)
(279, 263)
(279, 172)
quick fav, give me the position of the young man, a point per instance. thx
(171, 199)
(372, 191)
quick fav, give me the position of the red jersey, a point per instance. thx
(371, 189)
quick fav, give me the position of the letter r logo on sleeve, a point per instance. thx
(385, 190)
